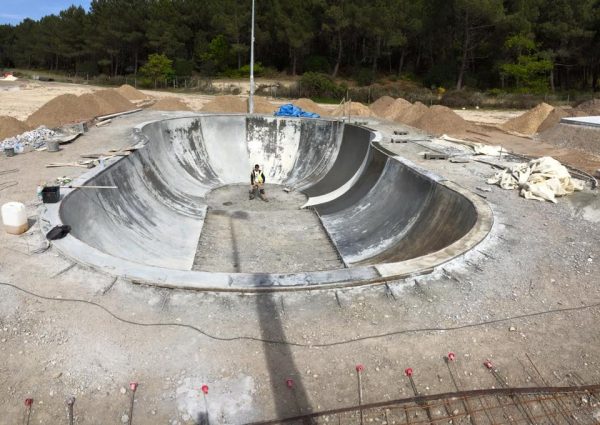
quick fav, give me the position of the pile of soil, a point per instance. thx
(10, 127)
(439, 120)
(530, 121)
(381, 105)
(396, 109)
(228, 103)
(131, 93)
(593, 105)
(263, 106)
(170, 104)
(411, 114)
(356, 109)
(61, 110)
(308, 105)
(114, 101)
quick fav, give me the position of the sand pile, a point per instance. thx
(131, 93)
(10, 127)
(355, 109)
(381, 105)
(228, 103)
(263, 106)
(170, 104)
(61, 110)
(411, 114)
(593, 104)
(530, 121)
(114, 101)
(308, 105)
(396, 109)
(440, 120)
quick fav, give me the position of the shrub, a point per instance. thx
(364, 77)
(313, 84)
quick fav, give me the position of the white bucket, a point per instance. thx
(14, 218)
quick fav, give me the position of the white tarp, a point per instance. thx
(542, 179)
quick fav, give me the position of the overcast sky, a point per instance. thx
(14, 11)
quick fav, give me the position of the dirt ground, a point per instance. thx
(531, 288)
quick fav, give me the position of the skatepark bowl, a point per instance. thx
(371, 216)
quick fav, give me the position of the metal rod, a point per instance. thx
(432, 397)
(360, 394)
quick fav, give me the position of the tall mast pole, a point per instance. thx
(251, 100)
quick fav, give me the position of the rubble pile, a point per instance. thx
(30, 139)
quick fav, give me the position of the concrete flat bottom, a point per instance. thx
(250, 236)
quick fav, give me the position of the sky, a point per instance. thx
(14, 11)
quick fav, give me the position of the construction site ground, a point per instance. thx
(530, 288)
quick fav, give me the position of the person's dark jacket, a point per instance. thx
(252, 177)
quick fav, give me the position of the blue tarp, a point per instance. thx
(290, 110)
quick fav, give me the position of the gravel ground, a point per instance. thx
(531, 287)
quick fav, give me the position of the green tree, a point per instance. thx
(529, 69)
(158, 68)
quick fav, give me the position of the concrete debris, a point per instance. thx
(29, 140)
(542, 179)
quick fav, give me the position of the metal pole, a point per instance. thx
(251, 99)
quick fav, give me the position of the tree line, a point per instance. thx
(527, 45)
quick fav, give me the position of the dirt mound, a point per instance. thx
(356, 109)
(263, 106)
(411, 114)
(593, 104)
(114, 101)
(398, 107)
(131, 93)
(61, 110)
(308, 105)
(530, 121)
(381, 105)
(440, 120)
(228, 103)
(10, 127)
(170, 104)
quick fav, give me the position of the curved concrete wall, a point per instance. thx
(376, 208)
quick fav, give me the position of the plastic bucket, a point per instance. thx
(53, 145)
(9, 152)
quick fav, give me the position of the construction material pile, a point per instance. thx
(263, 106)
(170, 104)
(30, 139)
(68, 108)
(529, 122)
(542, 179)
(308, 105)
(132, 94)
(353, 109)
(381, 105)
(228, 103)
(439, 119)
(395, 109)
(10, 127)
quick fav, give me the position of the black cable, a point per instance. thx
(297, 344)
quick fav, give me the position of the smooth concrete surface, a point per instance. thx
(592, 121)
(386, 217)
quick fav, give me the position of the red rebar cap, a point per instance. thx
(451, 356)
(290, 383)
(204, 389)
(28, 402)
(488, 364)
(133, 386)
(408, 371)
(359, 368)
